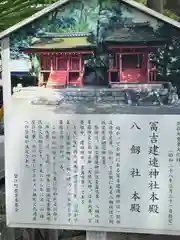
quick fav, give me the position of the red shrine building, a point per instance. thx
(129, 50)
(61, 58)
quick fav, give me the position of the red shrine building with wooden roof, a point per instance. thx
(61, 58)
(129, 50)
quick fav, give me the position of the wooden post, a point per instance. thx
(81, 73)
(109, 71)
(28, 234)
(6, 80)
(90, 235)
(148, 67)
(52, 234)
(68, 69)
(6, 72)
(120, 67)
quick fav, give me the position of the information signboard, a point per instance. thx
(93, 172)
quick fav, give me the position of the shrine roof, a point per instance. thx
(133, 34)
(60, 43)
(63, 35)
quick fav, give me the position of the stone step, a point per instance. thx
(94, 95)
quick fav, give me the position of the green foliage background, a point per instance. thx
(98, 16)
(14, 11)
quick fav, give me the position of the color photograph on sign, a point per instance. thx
(100, 43)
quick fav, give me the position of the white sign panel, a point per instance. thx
(94, 172)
